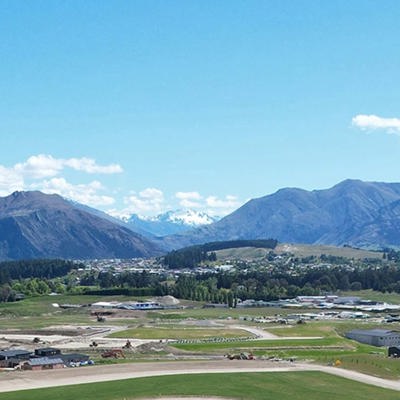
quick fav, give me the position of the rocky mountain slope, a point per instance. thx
(356, 213)
(36, 225)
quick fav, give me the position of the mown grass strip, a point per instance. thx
(181, 332)
(245, 386)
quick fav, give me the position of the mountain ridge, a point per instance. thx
(38, 225)
(351, 212)
(170, 222)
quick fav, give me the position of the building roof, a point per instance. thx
(14, 353)
(45, 361)
(47, 349)
(374, 332)
(72, 357)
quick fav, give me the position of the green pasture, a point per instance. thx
(298, 250)
(245, 386)
(304, 250)
(178, 332)
(355, 356)
(274, 344)
(372, 364)
(221, 313)
(324, 328)
(370, 294)
(38, 312)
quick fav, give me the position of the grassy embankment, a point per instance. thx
(245, 386)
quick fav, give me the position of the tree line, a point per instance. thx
(34, 277)
(193, 256)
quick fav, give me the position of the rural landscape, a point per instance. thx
(199, 200)
(267, 315)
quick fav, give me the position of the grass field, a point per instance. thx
(177, 332)
(352, 355)
(370, 294)
(299, 250)
(277, 344)
(324, 328)
(38, 312)
(245, 386)
(304, 250)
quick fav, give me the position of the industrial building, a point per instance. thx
(375, 337)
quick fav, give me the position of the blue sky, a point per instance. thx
(143, 106)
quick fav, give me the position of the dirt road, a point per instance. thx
(11, 381)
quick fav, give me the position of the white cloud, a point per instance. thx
(189, 199)
(188, 195)
(46, 173)
(10, 181)
(42, 172)
(372, 122)
(149, 201)
(221, 207)
(89, 166)
(46, 166)
(82, 193)
(40, 166)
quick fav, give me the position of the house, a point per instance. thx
(37, 364)
(375, 337)
(11, 358)
(47, 352)
(73, 358)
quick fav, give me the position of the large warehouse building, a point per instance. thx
(375, 337)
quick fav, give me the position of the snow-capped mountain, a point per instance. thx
(169, 223)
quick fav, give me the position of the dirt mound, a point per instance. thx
(167, 300)
(153, 347)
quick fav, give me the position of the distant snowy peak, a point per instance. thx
(187, 217)
(168, 223)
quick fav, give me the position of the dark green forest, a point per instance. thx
(191, 257)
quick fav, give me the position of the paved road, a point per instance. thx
(11, 381)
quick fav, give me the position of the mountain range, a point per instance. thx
(37, 225)
(353, 212)
(169, 223)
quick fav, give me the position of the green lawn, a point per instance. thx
(305, 250)
(268, 344)
(356, 356)
(246, 386)
(324, 328)
(370, 294)
(38, 312)
(221, 313)
(178, 332)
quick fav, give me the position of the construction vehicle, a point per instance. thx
(127, 345)
(100, 318)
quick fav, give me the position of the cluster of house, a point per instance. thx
(134, 305)
(320, 302)
(159, 303)
(43, 358)
(345, 303)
